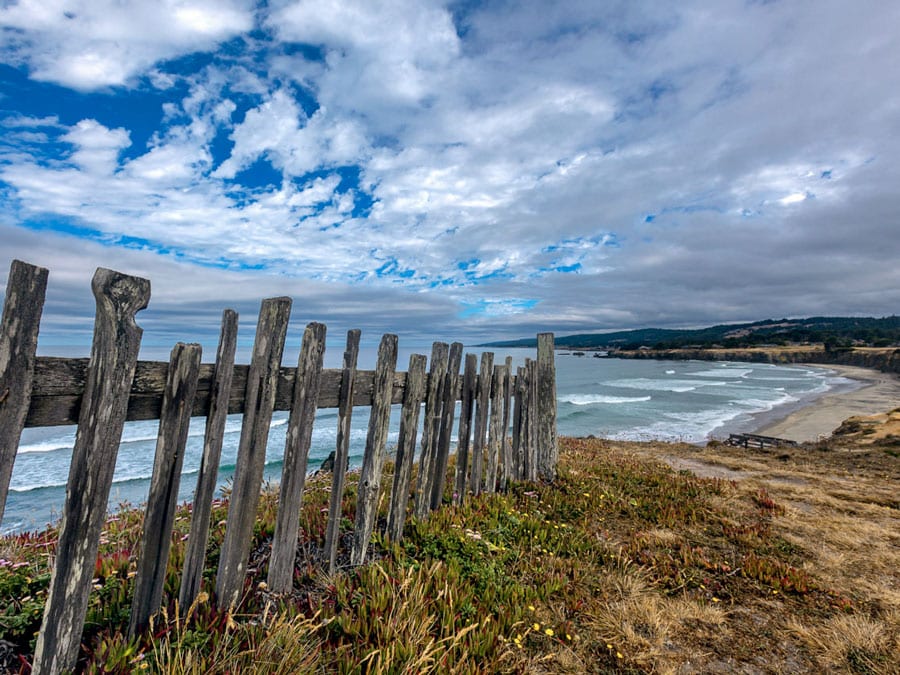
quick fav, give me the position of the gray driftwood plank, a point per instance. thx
(342, 448)
(296, 454)
(406, 445)
(494, 440)
(114, 352)
(506, 473)
(262, 384)
(481, 420)
(448, 404)
(545, 400)
(159, 517)
(432, 429)
(373, 459)
(216, 417)
(467, 398)
(26, 287)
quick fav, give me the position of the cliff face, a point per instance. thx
(885, 360)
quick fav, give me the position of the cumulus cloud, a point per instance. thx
(515, 167)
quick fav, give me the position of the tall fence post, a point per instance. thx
(174, 423)
(259, 401)
(373, 460)
(342, 448)
(545, 407)
(432, 431)
(110, 373)
(296, 454)
(448, 396)
(406, 445)
(220, 390)
(467, 399)
(508, 470)
(481, 420)
(494, 434)
(26, 287)
(519, 440)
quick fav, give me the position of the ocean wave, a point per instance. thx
(729, 373)
(592, 399)
(677, 386)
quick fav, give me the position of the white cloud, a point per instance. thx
(88, 44)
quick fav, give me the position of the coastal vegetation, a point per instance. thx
(641, 557)
(833, 333)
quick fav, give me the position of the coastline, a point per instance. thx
(879, 393)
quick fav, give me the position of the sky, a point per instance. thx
(463, 170)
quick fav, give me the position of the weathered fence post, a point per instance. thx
(26, 287)
(114, 352)
(448, 396)
(531, 416)
(406, 445)
(481, 420)
(174, 423)
(373, 460)
(494, 434)
(520, 452)
(432, 431)
(467, 398)
(296, 453)
(220, 390)
(259, 401)
(545, 407)
(508, 468)
(342, 448)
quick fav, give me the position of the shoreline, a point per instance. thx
(818, 418)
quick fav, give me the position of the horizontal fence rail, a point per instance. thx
(506, 430)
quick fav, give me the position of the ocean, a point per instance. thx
(690, 401)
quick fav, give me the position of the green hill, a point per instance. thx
(832, 331)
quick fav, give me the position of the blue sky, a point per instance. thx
(456, 170)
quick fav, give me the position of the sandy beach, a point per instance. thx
(880, 393)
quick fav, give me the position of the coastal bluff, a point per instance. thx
(886, 360)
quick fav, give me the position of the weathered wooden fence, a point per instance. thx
(101, 393)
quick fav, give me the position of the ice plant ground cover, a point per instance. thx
(779, 560)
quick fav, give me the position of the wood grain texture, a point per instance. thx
(261, 392)
(545, 402)
(406, 446)
(26, 287)
(464, 432)
(432, 430)
(342, 448)
(482, 403)
(110, 373)
(448, 408)
(213, 438)
(373, 459)
(296, 454)
(58, 384)
(494, 432)
(507, 468)
(174, 423)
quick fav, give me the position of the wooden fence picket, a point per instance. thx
(464, 433)
(213, 438)
(26, 287)
(406, 445)
(482, 403)
(448, 408)
(376, 439)
(262, 384)
(432, 427)
(174, 423)
(342, 448)
(296, 455)
(114, 352)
